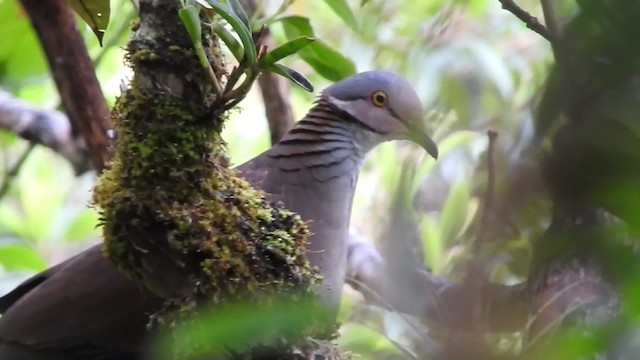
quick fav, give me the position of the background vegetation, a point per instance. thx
(476, 68)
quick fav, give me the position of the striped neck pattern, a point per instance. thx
(328, 141)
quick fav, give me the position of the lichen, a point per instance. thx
(174, 215)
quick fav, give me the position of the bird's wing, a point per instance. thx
(84, 308)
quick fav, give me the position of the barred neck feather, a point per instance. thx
(328, 141)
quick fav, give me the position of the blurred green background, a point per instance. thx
(475, 66)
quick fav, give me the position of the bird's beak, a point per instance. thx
(419, 135)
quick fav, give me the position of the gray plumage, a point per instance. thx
(85, 309)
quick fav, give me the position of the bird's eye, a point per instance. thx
(379, 98)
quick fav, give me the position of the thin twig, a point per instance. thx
(550, 19)
(474, 278)
(13, 172)
(528, 19)
(488, 195)
(491, 178)
(559, 52)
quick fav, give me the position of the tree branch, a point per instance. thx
(528, 19)
(49, 128)
(73, 73)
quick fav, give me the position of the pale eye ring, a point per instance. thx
(379, 98)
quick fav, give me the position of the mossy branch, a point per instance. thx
(174, 215)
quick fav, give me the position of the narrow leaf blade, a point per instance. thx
(292, 75)
(238, 10)
(286, 49)
(321, 57)
(234, 46)
(239, 27)
(342, 9)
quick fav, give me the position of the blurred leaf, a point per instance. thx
(387, 165)
(494, 67)
(83, 226)
(240, 28)
(12, 222)
(236, 327)
(21, 55)
(239, 12)
(21, 257)
(341, 8)
(475, 7)
(453, 140)
(329, 63)
(258, 23)
(286, 49)
(454, 212)
(95, 13)
(292, 75)
(43, 184)
(432, 245)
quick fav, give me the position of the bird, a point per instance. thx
(84, 308)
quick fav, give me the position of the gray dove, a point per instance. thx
(84, 308)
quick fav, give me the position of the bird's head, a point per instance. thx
(385, 103)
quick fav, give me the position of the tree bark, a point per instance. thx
(73, 72)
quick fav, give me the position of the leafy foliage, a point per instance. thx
(475, 66)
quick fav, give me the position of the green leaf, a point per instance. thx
(433, 245)
(190, 16)
(292, 75)
(235, 327)
(238, 11)
(21, 257)
(95, 13)
(286, 49)
(21, 56)
(321, 57)
(232, 44)
(240, 28)
(454, 212)
(342, 9)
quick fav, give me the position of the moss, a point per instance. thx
(174, 215)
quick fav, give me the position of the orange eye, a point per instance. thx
(379, 98)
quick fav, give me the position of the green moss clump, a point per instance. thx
(174, 215)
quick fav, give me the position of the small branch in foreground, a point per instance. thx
(49, 128)
(528, 19)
